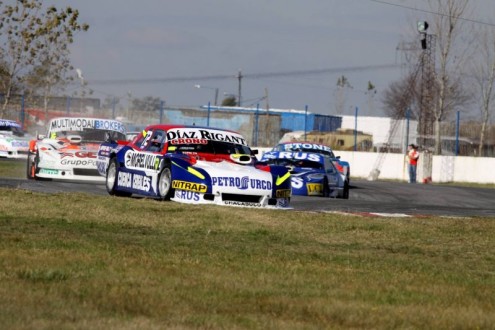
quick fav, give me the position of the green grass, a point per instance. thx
(77, 261)
(13, 168)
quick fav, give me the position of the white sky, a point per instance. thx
(156, 39)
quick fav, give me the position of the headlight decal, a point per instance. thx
(282, 179)
(191, 170)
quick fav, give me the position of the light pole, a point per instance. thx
(208, 87)
(83, 84)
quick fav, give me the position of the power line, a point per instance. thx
(244, 76)
(432, 12)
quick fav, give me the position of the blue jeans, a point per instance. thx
(412, 173)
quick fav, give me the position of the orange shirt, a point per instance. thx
(413, 156)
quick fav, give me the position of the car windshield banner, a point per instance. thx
(79, 124)
(202, 136)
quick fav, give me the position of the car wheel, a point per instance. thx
(111, 179)
(31, 166)
(165, 190)
(326, 189)
(345, 194)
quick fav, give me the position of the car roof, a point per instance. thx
(167, 127)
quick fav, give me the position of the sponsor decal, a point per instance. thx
(20, 144)
(283, 193)
(79, 124)
(300, 156)
(9, 123)
(236, 203)
(314, 188)
(78, 154)
(48, 171)
(191, 170)
(187, 195)
(241, 183)
(141, 160)
(281, 179)
(134, 181)
(203, 135)
(106, 148)
(297, 182)
(78, 162)
(3, 148)
(311, 146)
(190, 186)
(189, 141)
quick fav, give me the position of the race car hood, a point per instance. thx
(229, 177)
(81, 155)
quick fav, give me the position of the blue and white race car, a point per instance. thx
(311, 174)
(192, 164)
(343, 166)
(14, 142)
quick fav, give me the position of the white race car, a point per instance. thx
(70, 148)
(13, 141)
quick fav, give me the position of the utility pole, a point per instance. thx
(239, 77)
(267, 123)
(427, 65)
(427, 99)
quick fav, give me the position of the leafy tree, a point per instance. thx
(229, 101)
(35, 47)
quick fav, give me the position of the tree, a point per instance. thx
(401, 96)
(145, 106)
(447, 26)
(36, 45)
(484, 73)
(340, 93)
(370, 94)
(229, 101)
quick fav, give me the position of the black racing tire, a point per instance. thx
(165, 190)
(111, 179)
(326, 189)
(345, 194)
(31, 166)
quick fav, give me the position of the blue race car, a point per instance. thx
(343, 166)
(311, 174)
(192, 164)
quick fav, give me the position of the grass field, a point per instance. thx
(73, 261)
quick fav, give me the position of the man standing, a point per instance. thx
(412, 162)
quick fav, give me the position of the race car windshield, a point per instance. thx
(12, 129)
(301, 148)
(215, 147)
(91, 135)
(296, 163)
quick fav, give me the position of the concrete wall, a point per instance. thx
(444, 168)
(381, 127)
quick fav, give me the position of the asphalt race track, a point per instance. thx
(366, 197)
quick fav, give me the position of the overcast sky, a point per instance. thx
(185, 39)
